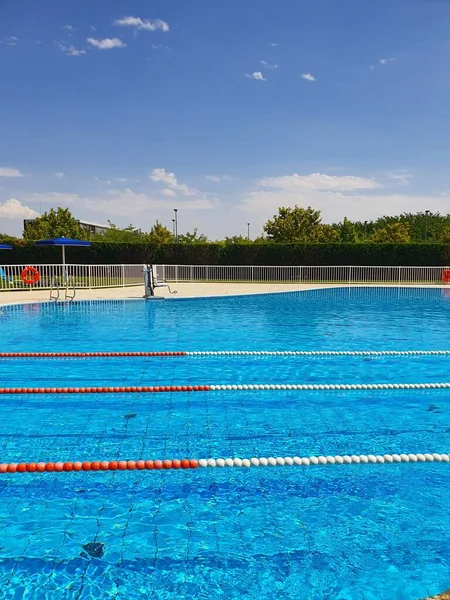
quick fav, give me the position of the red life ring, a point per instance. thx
(446, 275)
(30, 275)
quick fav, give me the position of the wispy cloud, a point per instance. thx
(385, 61)
(171, 182)
(256, 75)
(273, 44)
(125, 179)
(10, 40)
(59, 174)
(92, 28)
(308, 77)
(218, 178)
(401, 176)
(71, 50)
(10, 172)
(268, 65)
(107, 43)
(105, 181)
(143, 24)
(69, 28)
(14, 209)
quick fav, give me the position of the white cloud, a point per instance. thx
(69, 28)
(10, 172)
(143, 24)
(105, 181)
(256, 75)
(319, 181)
(170, 181)
(358, 198)
(268, 65)
(14, 209)
(59, 174)
(214, 178)
(10, 40)
(124, 179)
(385, 61)
(92, 28)
(71, 50)
(107, 43)
(400, 176)
(273, 44)
(308, 77)
(168, 192)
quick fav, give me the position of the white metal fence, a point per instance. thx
(338, 274)
(81, 276)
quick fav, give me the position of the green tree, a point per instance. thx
(444, 236)
(294, 225)
(327, 234)
(116, 235)
(159, 234)
(8, 239)
(193, 238)
(394, 233)
(347, 232)
(235, 239)
(54, 223)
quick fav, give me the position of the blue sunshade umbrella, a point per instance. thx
(63, 242)
(5, 247)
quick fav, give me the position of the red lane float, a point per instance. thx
(104, 465)
(85, 354)
(108, 390)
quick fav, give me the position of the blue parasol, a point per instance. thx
(5, 247)
(63, 242)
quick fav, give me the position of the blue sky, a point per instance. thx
(124, 110)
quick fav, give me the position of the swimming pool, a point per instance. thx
(372, 531)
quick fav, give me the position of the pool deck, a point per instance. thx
(184, 290)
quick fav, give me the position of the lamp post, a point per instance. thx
(173, 229)
(248, 232)
(427, 212)
(175, 210)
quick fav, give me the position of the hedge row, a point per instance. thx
(236, 254)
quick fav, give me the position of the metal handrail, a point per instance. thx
(54, 298)
(67, 296)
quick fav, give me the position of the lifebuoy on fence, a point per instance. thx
(30, 275)
(446, 275)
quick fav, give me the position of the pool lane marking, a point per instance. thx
(227, 388)
(185, 463)
(226, 353)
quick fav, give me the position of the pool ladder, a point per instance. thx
(67, 296)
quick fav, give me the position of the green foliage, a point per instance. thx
(193, 238)
(294, 225)
(159, 234)
(54, 223)
(117, 235)
(392, 233)
(236, 239)
(347, 232)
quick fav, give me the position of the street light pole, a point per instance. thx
(427, 212)
(248, 232)
(175, 210)
(173, 229)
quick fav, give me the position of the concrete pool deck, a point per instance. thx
(184, 290)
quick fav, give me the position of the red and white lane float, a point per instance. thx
(186, 463)
(134, 389)
(226, 353)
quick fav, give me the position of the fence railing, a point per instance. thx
(81, 276)
(301, 274)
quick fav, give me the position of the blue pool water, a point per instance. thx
(373, 532)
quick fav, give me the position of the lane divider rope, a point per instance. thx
(212, 388)
(185, 463)
(227, 353)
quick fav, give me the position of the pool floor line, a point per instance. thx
(185, 463)
(223, 387)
